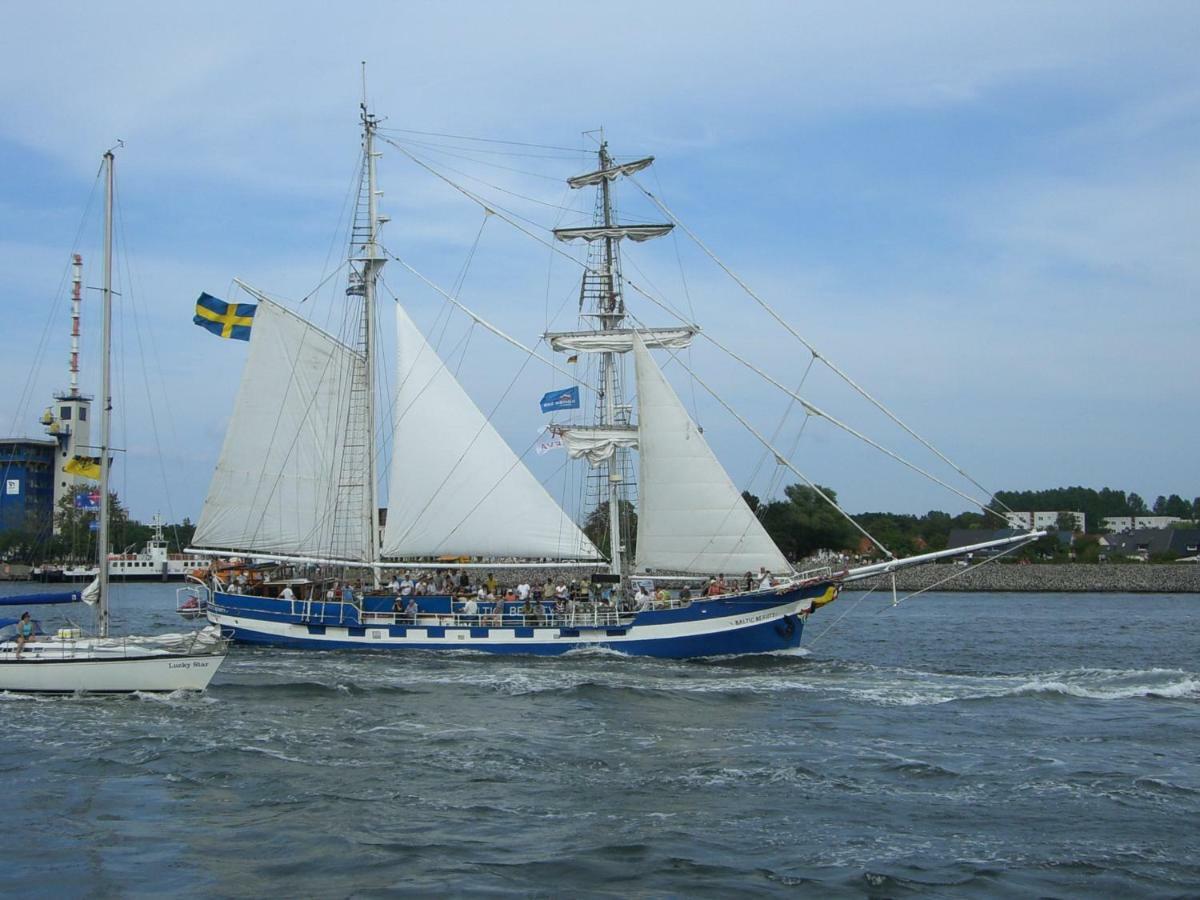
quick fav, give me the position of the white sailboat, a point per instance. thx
(70, 662)
(293, 496)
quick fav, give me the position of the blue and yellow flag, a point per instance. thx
(227, 320)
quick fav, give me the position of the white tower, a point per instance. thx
(68, 421)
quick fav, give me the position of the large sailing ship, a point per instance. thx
(292, 518)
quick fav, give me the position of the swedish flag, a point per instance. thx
(227, 320)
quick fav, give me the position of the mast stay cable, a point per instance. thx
(811, 349)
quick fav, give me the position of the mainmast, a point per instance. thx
(602, 286)
(105, 397)
(369, 261)
(611, 313)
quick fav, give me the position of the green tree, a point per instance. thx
(805, 523)
(1177, 506)
(597, 530)
(1065, 522)
(76, 539)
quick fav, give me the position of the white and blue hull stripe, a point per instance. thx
(757, 622)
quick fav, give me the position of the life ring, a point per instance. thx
(786, 627)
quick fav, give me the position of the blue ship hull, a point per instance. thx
(756, 622)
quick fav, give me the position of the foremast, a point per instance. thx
(601, 293)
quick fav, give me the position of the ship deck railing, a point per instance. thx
(586, 613)
(582, 619)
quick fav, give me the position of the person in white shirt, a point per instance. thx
(287, 593)
(470, 608)
(523, 590)
(764, 578)
(406, 586)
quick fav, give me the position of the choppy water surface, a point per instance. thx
(961, 745)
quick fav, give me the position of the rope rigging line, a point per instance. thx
(573, 151)
(661, 304)
(815, 410)
(830, 626)
(436, 149)
(507, 214)
(675, 356)
(486, 324)
(134, 298)
(776, 475)
(25, 397)
(501, 214)
(951, 576)
(811, 349)
(687, 296)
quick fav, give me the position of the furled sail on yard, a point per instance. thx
(691, 518)
(597, 443)
(276, 487)
(456, 487)
(620, 340)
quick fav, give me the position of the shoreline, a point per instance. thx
(1047, 578)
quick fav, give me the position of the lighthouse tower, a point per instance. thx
(68, 421)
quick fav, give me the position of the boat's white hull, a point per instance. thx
(112, 665)
(108, 675)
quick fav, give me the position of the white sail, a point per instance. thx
(456, 487)
(620, 340)
(276, 488)
(610, 174)
(597, 443)
(691, 517)
(615, 232)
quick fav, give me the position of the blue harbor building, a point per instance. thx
(27, 468)
(33, 478)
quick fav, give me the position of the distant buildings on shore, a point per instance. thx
(1117, 524)
(1038, 521)
(1047, 519)
(1143, 543)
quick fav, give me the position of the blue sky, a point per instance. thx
(987, 214)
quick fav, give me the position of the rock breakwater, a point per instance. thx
(1124, 578)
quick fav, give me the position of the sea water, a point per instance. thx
(957, 745)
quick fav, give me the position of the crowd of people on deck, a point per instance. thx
(488, 602)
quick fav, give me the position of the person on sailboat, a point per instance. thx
(287, 593)
(764, 578)
(412, 610)
(24, 632)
